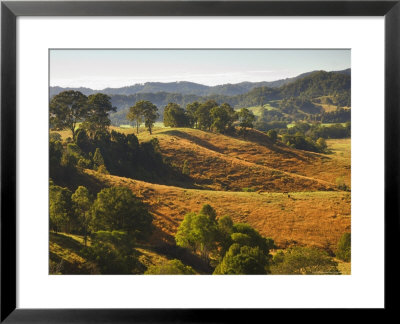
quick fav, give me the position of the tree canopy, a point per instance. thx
(172, 267)
(175, 116)
(303, 260)
(99, 107)
(243, 260)
(67, 109)
(117, 208)
(143, 110)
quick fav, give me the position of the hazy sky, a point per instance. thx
(98, 69)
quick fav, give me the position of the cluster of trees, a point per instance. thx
(303, 261)
(114, 220)
(337, 116)
(110, 152)
(230, 248)
(292, 106)
(311, 260)
(143, 111)
(69, 108)
(301, 142)
(308, 136)
(172, 267)
(208, 115)
(289, 110)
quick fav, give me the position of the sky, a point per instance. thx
(99, 69)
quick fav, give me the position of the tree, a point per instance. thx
(244, 234)
(83, 141)
(98, 159)
(203, 114)
(143, 111)
(197, 232)
(243, 260)
(67, 109)
(150, 114)
(208, 211)
(172, 267)
(55, 155)
(113, 252)
(82, 201)
(175, 116)
(222, 117)
(304, 260)
(343, 251)
(273, 135)
(191, 110)
(99, 107)
(60, 208)
(136, 114)
(225, 229)
(246, 119)
(117, 208)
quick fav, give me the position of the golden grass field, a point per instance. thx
(295, 199)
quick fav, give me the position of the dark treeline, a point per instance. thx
(208, 116)
(311, 137)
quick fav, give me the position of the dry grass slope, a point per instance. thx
(307, 218)
(296, 200)
(221, 162)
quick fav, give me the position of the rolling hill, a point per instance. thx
(291, 195)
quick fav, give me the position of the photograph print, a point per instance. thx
(200, 161)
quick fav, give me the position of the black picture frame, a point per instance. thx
(10, 10)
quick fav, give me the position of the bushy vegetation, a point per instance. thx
(111, 152)
(208, 115)
(230, 248)
(114, 221)
(303, 260)
(172, 267)
(113, 252)
(311, 137)
(343, 251)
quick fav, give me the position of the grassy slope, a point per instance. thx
(234, 163)
(314, 214)
(308, 218)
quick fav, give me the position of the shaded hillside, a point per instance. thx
(67, 256)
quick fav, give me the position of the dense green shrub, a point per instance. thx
(303, 260)
(172, 267)
(343, 251)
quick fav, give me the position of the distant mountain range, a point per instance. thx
(189, 88)
(310, 85)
